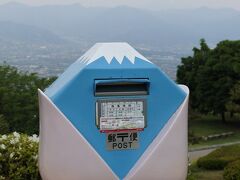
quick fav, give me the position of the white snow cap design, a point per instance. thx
(117, 50)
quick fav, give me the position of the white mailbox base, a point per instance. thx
(64, 154)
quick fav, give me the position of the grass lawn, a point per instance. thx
(197, 173)
(205, 127)
(208, 175)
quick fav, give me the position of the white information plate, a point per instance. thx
(115, 123)
(122, 140)
(121, 114)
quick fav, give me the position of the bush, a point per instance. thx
(4, 127)
(219, 158)
(212, 163)
(192, 138)
(18, 156)
(232, 171)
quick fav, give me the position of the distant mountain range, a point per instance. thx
(20, 33)
(53, 23)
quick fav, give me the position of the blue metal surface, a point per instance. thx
(74, 96)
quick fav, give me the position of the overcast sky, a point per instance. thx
(145, 4)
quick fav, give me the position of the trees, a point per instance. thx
(233, 104)
(210, 75)
(187, 72)
(18, 99)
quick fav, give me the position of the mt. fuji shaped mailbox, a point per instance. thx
(113, 114)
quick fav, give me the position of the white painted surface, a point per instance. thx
(117, 50)
(64, 154)
(167, 156)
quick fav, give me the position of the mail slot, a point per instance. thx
(113, 114)
(121, 87)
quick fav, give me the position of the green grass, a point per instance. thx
(208, 175)
(204, 128)
(208, 125)
(198, 173)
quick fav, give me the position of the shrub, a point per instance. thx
(192, 138)
(232, 171)
(219, 158)
(212, 163)
(4, 127)
(18, 156)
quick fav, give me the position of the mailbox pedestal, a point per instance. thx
(113, 114)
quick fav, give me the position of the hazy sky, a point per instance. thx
(149, 4)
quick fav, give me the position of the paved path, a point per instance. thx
(196, 153)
